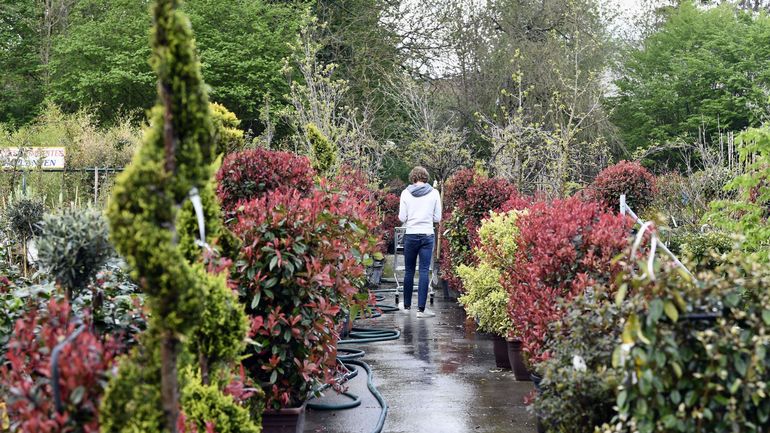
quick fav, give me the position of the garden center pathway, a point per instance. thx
(437, 378)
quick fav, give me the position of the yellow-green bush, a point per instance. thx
(228, 137)
(485, 299)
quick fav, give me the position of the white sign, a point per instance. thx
(32, 157)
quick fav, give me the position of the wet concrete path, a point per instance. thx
(439, 377)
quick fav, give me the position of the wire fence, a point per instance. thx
(89, 186)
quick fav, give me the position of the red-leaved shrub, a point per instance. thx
(565, 246)
(625, 177)
(388, 206)
(457, 186)
(302, 262)
(252, 173)
(471, 198)
(82, 373)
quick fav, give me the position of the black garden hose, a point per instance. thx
(350, 359)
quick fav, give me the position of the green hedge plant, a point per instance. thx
(579, 383)
(485, 299)
(694, 354)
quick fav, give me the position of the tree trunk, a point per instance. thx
(169, 381)
(204, 365)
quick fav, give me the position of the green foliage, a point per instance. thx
(748, 213)
(73, 246)
(101, 59)
(191, 308)
(19, 61)
(324, 153)
(702, 249)
(694, 353)
(498, 238)
(221, 326)
(704, 68)
(229, 138)
(485, 299)
(579, 382)
(132, 400)
(206, 404)
(23, 217)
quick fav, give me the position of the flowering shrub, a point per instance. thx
(625, 177)
(302, 262)
(83, 364)
(565, 246)
(252, 173)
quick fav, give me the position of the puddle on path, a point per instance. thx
(439, 377)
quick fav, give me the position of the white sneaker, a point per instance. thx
(403, 310)
(425, 314)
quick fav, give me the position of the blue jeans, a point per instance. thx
(417, 246)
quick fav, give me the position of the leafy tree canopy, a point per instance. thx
(101, 58)
(703, 71)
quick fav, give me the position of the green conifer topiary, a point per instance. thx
(324, 155)
(193, 312)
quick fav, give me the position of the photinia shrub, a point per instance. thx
(565, 247)
(252, 173)
(472, 196)
(83, 366)
(302, 264)
(628, 178)
(388, 204)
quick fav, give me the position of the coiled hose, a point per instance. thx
(350, 358)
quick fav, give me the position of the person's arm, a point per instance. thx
(402, 210)
(437, 209)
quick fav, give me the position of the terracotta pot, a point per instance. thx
(516, 358)
(501, 352)
(291, 420)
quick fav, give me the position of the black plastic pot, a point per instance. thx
(536, 380)
(500, 347)
(374, 273)
(291, 420)
(516, 359)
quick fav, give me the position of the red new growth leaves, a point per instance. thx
(252, 173)
(82, 366)
(625, 177)
(302, 259)
(565, 246)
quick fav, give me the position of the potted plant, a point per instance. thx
(564, 248)
(486, 301)
(300, 270)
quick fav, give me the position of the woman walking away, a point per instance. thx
(420, 208)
